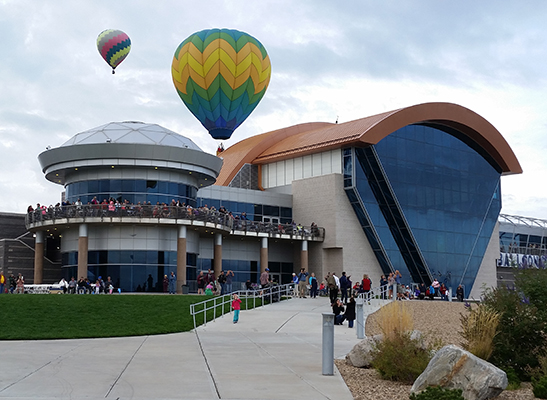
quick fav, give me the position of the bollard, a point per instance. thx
(394, 297)
(450, 294)
(360, 319)
(328, 344)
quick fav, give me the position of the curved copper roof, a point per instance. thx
(304, 139)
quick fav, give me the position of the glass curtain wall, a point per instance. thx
(446, 195)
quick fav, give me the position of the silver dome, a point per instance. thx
(131, 132)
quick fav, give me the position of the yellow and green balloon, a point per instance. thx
(221, 75)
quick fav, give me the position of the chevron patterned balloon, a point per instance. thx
(114, 46)
(221, 75)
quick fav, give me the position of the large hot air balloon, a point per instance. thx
(114, 46)
(221, 75)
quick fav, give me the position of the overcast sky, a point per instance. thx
(349, 59)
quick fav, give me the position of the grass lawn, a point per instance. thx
(48, 316)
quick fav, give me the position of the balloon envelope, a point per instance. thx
(114, 45)
(221, 75)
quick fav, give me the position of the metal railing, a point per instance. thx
(376, 298)
(97, 213)
(220, 305)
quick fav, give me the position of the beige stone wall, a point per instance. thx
(487, 271)
(322, 200)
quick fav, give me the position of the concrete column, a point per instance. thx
(264, 255)
(181, 258)
(304, 255)
(218, 254)
(39, 258)
(83, 246)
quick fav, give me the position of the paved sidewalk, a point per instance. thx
(274, 352)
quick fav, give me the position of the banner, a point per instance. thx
(522, 260)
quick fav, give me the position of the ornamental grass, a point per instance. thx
(478, 329)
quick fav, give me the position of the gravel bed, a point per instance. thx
(366, 384)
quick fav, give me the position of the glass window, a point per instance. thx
(128, 186)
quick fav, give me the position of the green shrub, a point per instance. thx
(400, 358)
(539, 387)
(513, 381)
(437, 393)
(520, 340)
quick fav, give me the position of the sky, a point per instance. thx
(330, 59)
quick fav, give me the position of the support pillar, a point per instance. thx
(181, 258)
(327, 363)
(39, 258)
(264, 255)
(304, 255)
(83, 246)
(218, 254)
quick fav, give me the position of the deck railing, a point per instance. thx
(94, 213)
(220, 305)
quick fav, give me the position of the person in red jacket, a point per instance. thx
(366, 284)
(236, 305)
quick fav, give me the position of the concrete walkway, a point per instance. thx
(274, 352)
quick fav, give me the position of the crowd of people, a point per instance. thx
(12, 284)
(176, 209)
(342, 291)
(221, 285)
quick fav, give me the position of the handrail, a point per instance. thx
(226, 221)
(214, 303)
(376, 298)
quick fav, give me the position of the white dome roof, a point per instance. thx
(131, 132)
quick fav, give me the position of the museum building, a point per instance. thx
(415, 190)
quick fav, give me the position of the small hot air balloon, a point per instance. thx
(221, 75)
(114, 46)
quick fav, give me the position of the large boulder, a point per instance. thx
(455, 368)
(361, 354)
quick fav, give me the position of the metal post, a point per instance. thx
(328, 344)
(394, 292)
(360, 319)
(450, 294)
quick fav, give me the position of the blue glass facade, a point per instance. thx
(133, 190)
(428, 201)
(129, 269)
(255, 212)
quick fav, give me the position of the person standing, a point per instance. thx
(383, 287)
(12, 283)
(344, 288)
(390, 282)
(350, 311)
(313, 286)
(265, 278)
(302, 279)
(459, 293)
(202, 281)
(20, 285)
(172, 283)
(210, 277)
(236, 305)
(366, 283)
(2, 282)
(436, 285)
(333, 289)
(400, 288)
(166, 284)
(222, 282)
(229, 279)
